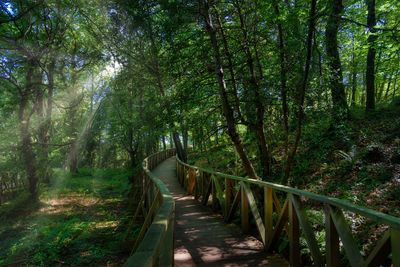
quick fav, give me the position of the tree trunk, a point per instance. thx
(338, 93)
(28, 156)
(164, 144)
(300, 112)
(370, 72)
(179, 148)
(388, 86)
(230, 68)
(227, 109)
(45, 113)
(283, 75)
(185, 137)
(258, 125)
(158, 75)
(353, 75)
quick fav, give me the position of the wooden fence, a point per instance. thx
(154, 244)
(275, 219)
(10, 184)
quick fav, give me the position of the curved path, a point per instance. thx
(201, 236)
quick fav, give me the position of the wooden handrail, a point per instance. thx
(154, 244)
(229, 192)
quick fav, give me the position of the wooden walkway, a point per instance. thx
(201, 236)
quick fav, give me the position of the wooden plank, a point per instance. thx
(219, 193)
(191, 181)
(268, 210)
(294, 235)
(197, 189)
(185, 178)
(234, 206)
(254, 210)
(214, 199)
(244, 210)
(395, 243)
(206, 187)
(146, 222)
(308, 232)
(138, 208)
(207, 194)
(277, 203)
(349, 244)
(203, 184)
(167, 249)
(228, 196)
(380, 253)
(331, 240)
(281, 223)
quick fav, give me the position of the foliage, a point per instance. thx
(74, 214)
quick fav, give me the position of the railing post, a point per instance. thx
(185, 174)
(331, 240)
(214, 202)
(268, 209)
(395, 243)
(244, 210)
(197, 184)
(294, 235)
(228, 196)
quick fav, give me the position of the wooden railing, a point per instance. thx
(154, 244)
(291, 218)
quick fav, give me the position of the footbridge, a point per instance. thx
(199, 217)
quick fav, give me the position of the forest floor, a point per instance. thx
(79, 220)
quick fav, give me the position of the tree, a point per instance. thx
(370, 72)
(335, 76)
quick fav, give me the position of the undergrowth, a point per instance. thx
(79, 220)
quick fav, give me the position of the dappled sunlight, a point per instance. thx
(106, 224)
(70, 221)
(66, 204)
(74, 199)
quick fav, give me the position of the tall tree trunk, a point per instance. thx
(256, 126)
(45, 113)
(185, 137)
(164, 144)
(228, 56)
(338, 93)
(353, 75)
(388, 85)
(227, 109)
(302, 92)
(157, 73)
(370, 72)
(179, 148)
(283, 75)
(28, 155)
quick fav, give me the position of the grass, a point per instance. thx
(79, 220)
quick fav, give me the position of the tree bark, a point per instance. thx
(283, 75)
(157, 73)
(227, 109)
(228, 55)
(338, 93)
(256, 126)
(28, 155)
(353, 77)
(370, 72)
(302, 92)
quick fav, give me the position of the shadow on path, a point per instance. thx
(201, 236)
